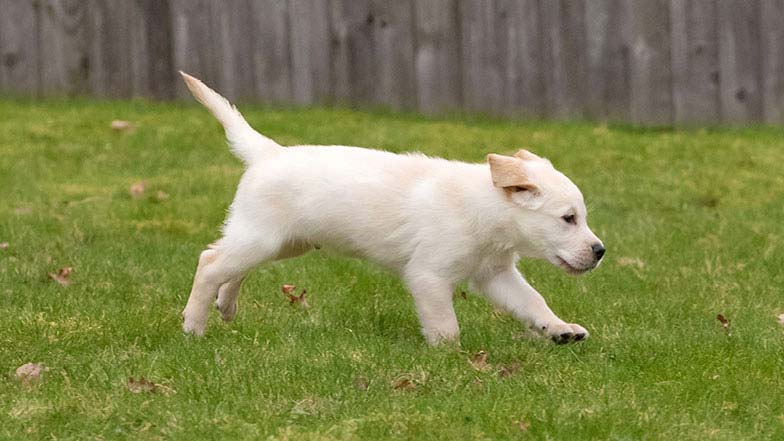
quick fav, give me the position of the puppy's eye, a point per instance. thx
(569, 219)
(519, 188)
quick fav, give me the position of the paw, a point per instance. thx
(562, 333)
(193, 323)
(437, 337)
(228, 310)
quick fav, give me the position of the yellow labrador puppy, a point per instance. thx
(435, 222)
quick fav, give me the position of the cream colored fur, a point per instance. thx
(435, 222)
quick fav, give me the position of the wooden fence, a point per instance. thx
(644, 61)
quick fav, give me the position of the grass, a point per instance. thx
(692, 221)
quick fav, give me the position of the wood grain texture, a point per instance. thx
(482, 55)
(772, 27)
(650, 74)
(439, 82)
(270, 54)
(695, 62)
(523, 70)
(607, 60)
(740, 61)
(64, 61)
(19, 58)
(309, 37)
(393, 46)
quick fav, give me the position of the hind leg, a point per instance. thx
(226, 262)
(229, 291)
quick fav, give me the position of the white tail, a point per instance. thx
(245, 142)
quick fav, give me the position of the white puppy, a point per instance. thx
(436, 222)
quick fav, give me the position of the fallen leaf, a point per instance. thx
(403, 383)
(62, 275)
(506, 371)
(141, 385)
(30, 373)
(294, 299)
(161, 196)
(522, 425)
(121, 126)
(137, 189)
(3, 245)
(781, 319)
(724, 322)
(631, 261)
(479, 361)
(361, 383)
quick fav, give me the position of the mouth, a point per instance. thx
(570, 268)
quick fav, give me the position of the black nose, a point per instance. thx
(598, 251)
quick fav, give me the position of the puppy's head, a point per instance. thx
(548, 212)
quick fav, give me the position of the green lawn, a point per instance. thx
(692, 221)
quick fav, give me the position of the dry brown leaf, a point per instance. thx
(161, 196)
(479, 361)
(781, 319)
(298, 300)
(30, 373)
(62, 275)
(508, 370)
(121, 126)
(522, 425)
(4, 245)
(137, 189)
(361, 383)
(403, 383)
(141, 385)
(724, 322)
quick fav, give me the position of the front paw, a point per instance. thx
(562, 333)
(193, 323)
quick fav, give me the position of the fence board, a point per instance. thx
(353, 57)
(160, 82)
(437, 56)
(695, 62)
(310, 48)
(111, 26)
(18, 47)
(64, 62)
(739, 58)
(650, 80)
(563, 45)
(772, 15)
(525, 94)
(192, 42)
(270, 54)
(482, 55)
(393, 37)
(607, 60)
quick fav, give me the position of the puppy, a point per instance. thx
(436, 222)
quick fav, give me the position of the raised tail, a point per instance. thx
(245, 142)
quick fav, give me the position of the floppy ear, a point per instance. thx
(525, 155)
(507, 173)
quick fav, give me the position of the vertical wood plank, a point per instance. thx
(524, 81)
(231, 25)
(309, 38)
(772, 54)
(64, 62)
(695, 62)
(437, 56)
(193, 47)
(651, 84)
(564, 57)
(110, 25)
(19, 47)
(353, 64)
(739, 59)
(482, 56)
(160, 81)
(271, 60)
(393, 37)
(607, 60)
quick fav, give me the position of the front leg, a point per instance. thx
(433, 299)
(510, 291)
